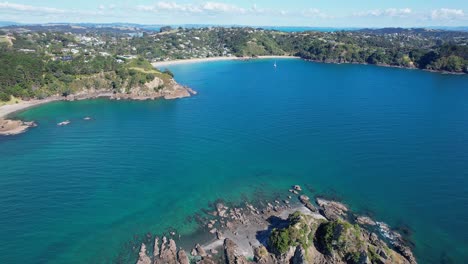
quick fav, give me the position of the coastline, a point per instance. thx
(160, 64)
(6, 110)
(241, 234)
(10, 126)
(200, 60)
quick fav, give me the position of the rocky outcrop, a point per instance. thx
(154, 90)
(261, 255)
(182, 257)
(142, 257)
(299, 256)
(265, 235)
(167, 253)
(332, 210)
(232, 257)
(14, 127)
(306, 202)
(200, 251)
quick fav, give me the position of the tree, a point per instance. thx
(4, 97)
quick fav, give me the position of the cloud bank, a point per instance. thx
(219, 12)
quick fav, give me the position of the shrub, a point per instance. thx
(168, 72)
(296, 233)
(4, 97)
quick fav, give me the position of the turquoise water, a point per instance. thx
(389, 142)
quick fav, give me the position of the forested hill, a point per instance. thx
(40, 60)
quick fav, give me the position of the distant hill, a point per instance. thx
(8, 23)
(425, 32)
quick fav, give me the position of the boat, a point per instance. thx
(274, 65)
(87, 118)
(64, 123)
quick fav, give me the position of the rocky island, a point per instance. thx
(295, 230)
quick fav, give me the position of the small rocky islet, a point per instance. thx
(293, 230)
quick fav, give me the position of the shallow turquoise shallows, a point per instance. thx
(389, 142)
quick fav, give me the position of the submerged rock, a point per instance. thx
(297, 188)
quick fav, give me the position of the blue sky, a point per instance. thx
(319, 13)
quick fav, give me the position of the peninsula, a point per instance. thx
(134, 79)
(292, 230)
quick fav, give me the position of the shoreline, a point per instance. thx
(9, 109)
(233, 58)
(10, 126)
(242, 234)
(211, 59)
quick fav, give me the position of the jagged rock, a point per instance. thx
(182, 257)
(206, 260)
(14, 127)
(230, 253)
(299, 256)
(156, 247)
(262, 256)
(163, 244)
(168, 255)
(142, 257)
(219, 235)
(405, 251)
(332, 210)
(200, 251)
(364, 220)
(305, 200)
(214, 251)
(297, 188)
(194, 252)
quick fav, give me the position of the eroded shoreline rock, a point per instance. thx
(305, 236)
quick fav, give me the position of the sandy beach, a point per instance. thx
(6, 110)
(14, 127)
(198, 60)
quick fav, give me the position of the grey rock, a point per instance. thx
(142, 257)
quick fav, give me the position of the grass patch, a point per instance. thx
(13, 100)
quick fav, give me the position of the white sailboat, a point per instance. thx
(274, 65)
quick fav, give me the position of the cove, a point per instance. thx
(389, 142)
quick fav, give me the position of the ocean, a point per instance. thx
(390, 143)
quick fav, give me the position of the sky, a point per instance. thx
(313, 13)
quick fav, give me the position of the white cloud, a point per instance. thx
(222, 7)
(314, 12)
(447, 14)
(207, 7)
(390, 12)
(27, 8)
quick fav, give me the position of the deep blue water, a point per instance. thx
(389, 142)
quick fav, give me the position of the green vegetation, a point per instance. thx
(28, 75)
(39, 61)
(339, 237)
(298, 232)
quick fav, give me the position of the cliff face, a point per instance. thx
(281, 233)
(98, 86)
